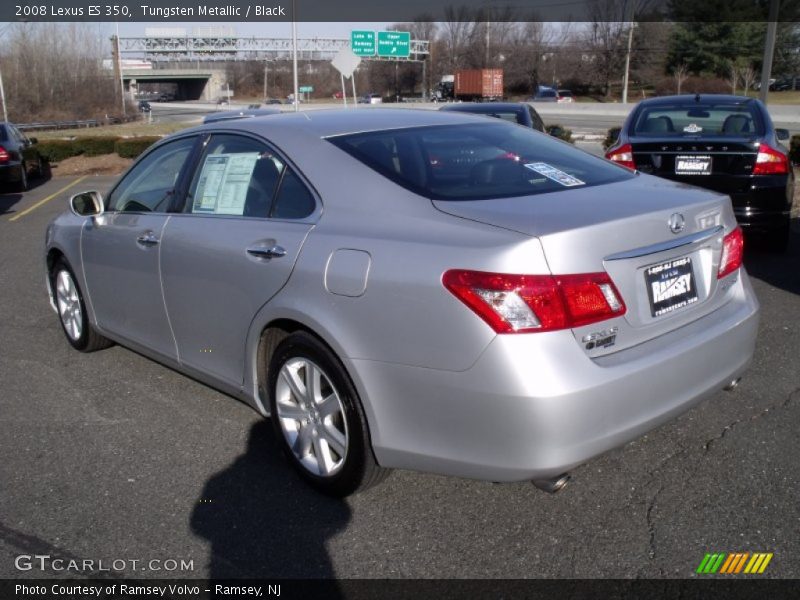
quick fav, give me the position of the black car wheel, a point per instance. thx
(318, 418)
(22, 184)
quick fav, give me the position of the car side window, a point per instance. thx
(239, 176)
(236, 176)
(294, 200)
(150, 185)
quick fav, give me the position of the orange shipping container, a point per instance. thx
(479, 83)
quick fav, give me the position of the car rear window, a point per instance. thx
(547, 94)
(3, 134)
(512, 116)
(477, 162)
(699, 119)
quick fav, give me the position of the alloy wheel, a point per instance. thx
(69, 305)
(311, 417)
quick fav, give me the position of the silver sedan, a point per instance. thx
(413, 289)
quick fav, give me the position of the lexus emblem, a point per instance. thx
(676, 223)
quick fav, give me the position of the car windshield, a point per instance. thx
(477, 161)
(698, 119)
(547, 94)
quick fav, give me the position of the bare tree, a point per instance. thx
(681, 74)
(54, 71)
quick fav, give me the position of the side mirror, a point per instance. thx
(782, 134)
(87, 204)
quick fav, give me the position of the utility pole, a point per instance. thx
(266, 74)
(3, 98)
(629, 19)
(118, 72)
(769, 50)
(295, 93)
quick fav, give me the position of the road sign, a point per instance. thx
(305, 89)
(345, 61)
(394, 43)
(362, 43)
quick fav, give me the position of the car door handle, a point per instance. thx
(147, 239)
(264, 252)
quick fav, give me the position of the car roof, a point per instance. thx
(332, 122)
(698, 98)
(485, 106)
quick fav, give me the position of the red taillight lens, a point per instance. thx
(732, 253)
(3, 154)
(622, 156)
(528, 303)
(770, 162)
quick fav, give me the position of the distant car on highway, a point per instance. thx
(411, 289)
(229, 115)
(19, 157)
(544, 95)
(144, 106)
(370, 99)
(515, 112)
(723, 143)
(565, 96)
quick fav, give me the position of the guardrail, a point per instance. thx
(87, 123)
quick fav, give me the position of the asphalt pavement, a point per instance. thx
(111, 456)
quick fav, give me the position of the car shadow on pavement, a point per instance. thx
(7, 201)
(263, 521)
(780, 270)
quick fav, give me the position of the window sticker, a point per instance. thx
(224, 182)
(693, 128)
(554, 174)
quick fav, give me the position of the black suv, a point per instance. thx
(19, 157)
(723, 143)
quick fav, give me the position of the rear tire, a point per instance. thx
(318, 418)
(22, 184)
(72, 310)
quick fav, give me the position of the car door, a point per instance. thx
(121, 249)
(246, 215)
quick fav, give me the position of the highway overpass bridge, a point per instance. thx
(201, 83)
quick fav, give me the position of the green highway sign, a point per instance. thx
(394, 43)
(305, 89)
(362, 43)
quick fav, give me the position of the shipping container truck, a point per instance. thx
(479, 85)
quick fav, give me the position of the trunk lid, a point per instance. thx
(623, 229)
(730, 160)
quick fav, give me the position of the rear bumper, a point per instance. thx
(534, 406)
(10, 172)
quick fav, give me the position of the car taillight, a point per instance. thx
(622, 156)
(3, 154)
(529, 303)
(732, 253)
(770, 162)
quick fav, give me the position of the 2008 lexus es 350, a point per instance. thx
(413, 289)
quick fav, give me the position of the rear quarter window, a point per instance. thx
(478, 161)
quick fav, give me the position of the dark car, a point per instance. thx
(516, 112)
(544, 95)
(723, 143)
(227, 115)
(144, 106)
(19, 157)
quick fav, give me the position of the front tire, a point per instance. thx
(318, 418)
(72, 311)
(22, 184)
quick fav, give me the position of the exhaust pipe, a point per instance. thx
(551, 486)
(732, 385)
